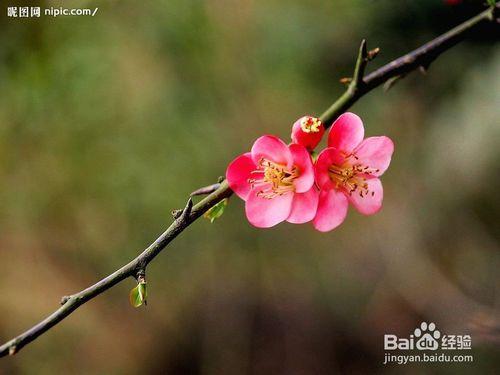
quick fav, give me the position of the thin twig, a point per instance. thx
(359, 86)
(422, 56)
(131, 269)
(359, 68)
(205, 190)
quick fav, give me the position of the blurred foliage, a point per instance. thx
(107, 123)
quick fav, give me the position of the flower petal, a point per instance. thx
(346, 133)
(271, 148)
(326, 158)
(370, 203)
(332, 210)
(238, 173)
(375, 152)
(302, 160)
(264, 212)
(304, 206)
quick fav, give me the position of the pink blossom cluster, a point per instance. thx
(281, 182)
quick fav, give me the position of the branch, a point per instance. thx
(359, 86)
(422, 57)
(132, 269)
(205, 190)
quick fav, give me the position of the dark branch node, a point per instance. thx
(140, 275)
(65, 299)
(177, 213)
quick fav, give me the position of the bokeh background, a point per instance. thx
(107, 123)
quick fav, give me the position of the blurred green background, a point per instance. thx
(107, 123)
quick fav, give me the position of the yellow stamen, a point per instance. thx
(275, 179)
(352, 176)
(310, 124)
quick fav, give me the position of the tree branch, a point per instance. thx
(132, 269)
(421, 57)
(359, 86)
(205, 190)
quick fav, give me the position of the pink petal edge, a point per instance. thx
(375, 152)
(332, 210)
(302, 160)
(304, 206)
(326, 158)
(265, 213)
(369, 204)
(346, 133)
(237, 174)
(271, 148)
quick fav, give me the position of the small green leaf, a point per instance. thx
(138, 295)
(491, 3)
(216, 211)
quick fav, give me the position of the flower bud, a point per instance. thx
(308, 131)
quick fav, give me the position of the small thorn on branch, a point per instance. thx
(392, 81)
(359, 69)
(12, 349)
(187, 210)
(205, 190)
(424, 67)
(364, 56)
(184, 213)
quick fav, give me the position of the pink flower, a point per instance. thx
(348, 171)
(308, 131)
(276, 181)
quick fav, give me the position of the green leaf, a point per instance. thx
(138, 295)
(491, 2)
(216, 211)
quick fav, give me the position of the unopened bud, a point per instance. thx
(373, 53)
(346, 80)
(308, 131)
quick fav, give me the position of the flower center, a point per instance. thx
(352, 176)
(310, 124)
(273, 179)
